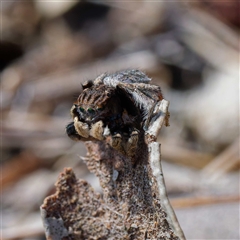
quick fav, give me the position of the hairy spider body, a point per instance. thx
(114, 107)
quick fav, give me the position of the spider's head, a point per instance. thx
(94, 103)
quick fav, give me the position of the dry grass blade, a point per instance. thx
(224, 162)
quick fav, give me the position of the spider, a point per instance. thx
(114, 108)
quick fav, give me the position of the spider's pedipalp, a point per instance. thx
(81, 128)
(97, 130)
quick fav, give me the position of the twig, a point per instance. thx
(155, 162)
(223, 163)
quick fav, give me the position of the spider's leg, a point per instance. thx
(72, 133)
(144, 90)
(81, 128)
(138, 97)
(116, 142)
(152, 91)
(97, 130)
(144, 96)
(131, 144)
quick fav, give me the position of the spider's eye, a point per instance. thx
(91, 110)
(100, 108)
(82, 109)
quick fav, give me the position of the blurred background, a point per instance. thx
(190, 49)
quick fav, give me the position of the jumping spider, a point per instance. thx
(114, 108)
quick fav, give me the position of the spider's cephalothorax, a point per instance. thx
(114, 108)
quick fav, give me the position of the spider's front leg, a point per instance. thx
(72, 133)
(99, 132)
(125, 142)
(116, 142)
(132, 143)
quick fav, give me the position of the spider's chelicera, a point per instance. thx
(114, 107)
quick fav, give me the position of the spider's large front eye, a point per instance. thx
(91, 110)
(82, 109)
(100, 108)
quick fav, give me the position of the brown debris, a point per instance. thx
(128, 209)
